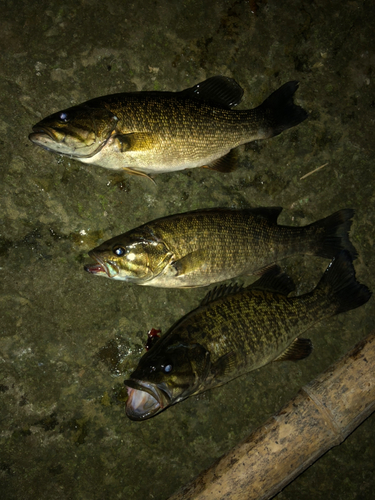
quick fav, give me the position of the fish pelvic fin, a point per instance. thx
(331, 234)
(299, 349)
(340, 284)
(140, 174)
(279, 110)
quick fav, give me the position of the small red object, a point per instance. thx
(152, 338)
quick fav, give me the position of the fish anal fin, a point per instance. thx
(264, 270)
(273, 279)
(299, 349)
(226, 163)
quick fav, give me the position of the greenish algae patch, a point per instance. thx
(76, 429)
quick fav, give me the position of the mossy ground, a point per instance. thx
(68, 339)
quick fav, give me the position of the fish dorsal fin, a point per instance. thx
(274, 280)
(226, 163)
(218, 90)
(269, 213)
(221, 291)
(299, 349)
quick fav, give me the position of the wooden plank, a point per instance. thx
(320, 417)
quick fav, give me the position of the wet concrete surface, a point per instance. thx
(69, 339)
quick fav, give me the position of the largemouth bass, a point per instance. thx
(235, 331)
(155, 132)
(207, 246)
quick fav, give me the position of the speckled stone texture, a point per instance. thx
(69, 339)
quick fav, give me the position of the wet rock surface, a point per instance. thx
(68, 339)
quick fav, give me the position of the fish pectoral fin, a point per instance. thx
(135, 141)
(191, 263)
(299, 349)
(226, 163)
(224, 365)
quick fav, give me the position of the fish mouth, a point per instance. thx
(96, 269)
(45, 137)
(101, 268)
(57, 142)
(44, 131)
(146, 399)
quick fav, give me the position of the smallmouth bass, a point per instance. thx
(235, 331)
(154, 132)
(207, 246)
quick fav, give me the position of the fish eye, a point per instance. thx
(167, 368)
(119, 251)
(64, 117)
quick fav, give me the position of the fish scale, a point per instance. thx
(207, 246)
(254, 322)
(154, 132)
(236, 331)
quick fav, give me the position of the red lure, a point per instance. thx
(152, 337)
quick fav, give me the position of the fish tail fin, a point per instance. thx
(279, 110)
(331, 234)
(340, 284)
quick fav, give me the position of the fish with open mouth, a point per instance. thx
(153, 132)
(237, 330)
(202, 247)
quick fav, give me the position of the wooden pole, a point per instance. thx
(321, 416)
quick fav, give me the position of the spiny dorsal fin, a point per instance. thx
(221, 291)
(218, 90)
(299, 349)
(274, 280)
